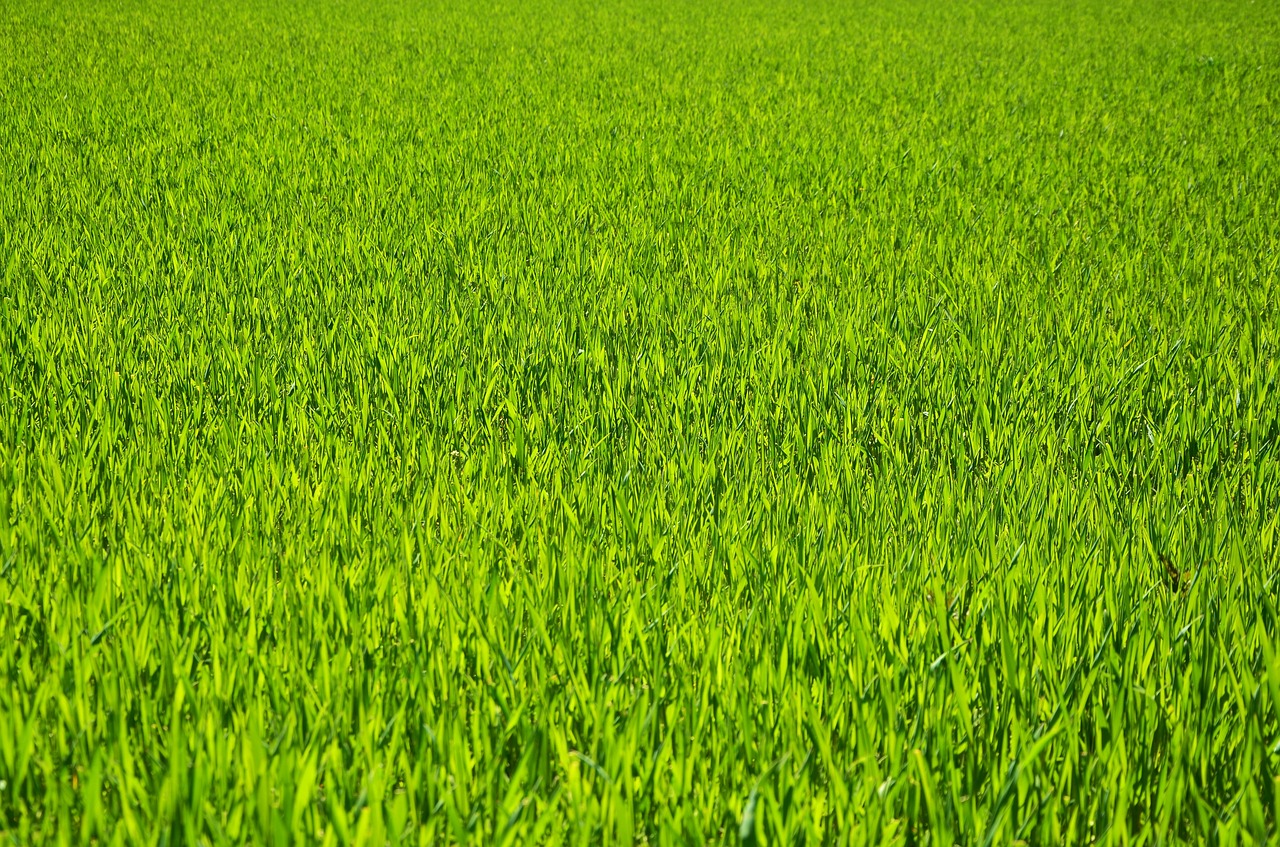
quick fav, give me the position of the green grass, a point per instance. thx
(596, 422)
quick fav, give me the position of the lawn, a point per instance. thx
(639, 421)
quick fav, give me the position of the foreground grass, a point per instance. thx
(824, 422)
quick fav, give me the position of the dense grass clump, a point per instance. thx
(639, 421)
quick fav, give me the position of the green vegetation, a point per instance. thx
(596, 422)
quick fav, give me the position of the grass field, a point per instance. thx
(639, 421)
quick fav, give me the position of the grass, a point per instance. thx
(565, 422)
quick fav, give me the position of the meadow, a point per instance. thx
(639, 421)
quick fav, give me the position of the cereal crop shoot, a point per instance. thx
(774, 422)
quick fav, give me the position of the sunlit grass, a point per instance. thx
(639, 421)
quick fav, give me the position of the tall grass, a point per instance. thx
(562, 422)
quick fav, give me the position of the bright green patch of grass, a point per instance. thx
(639, 421)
